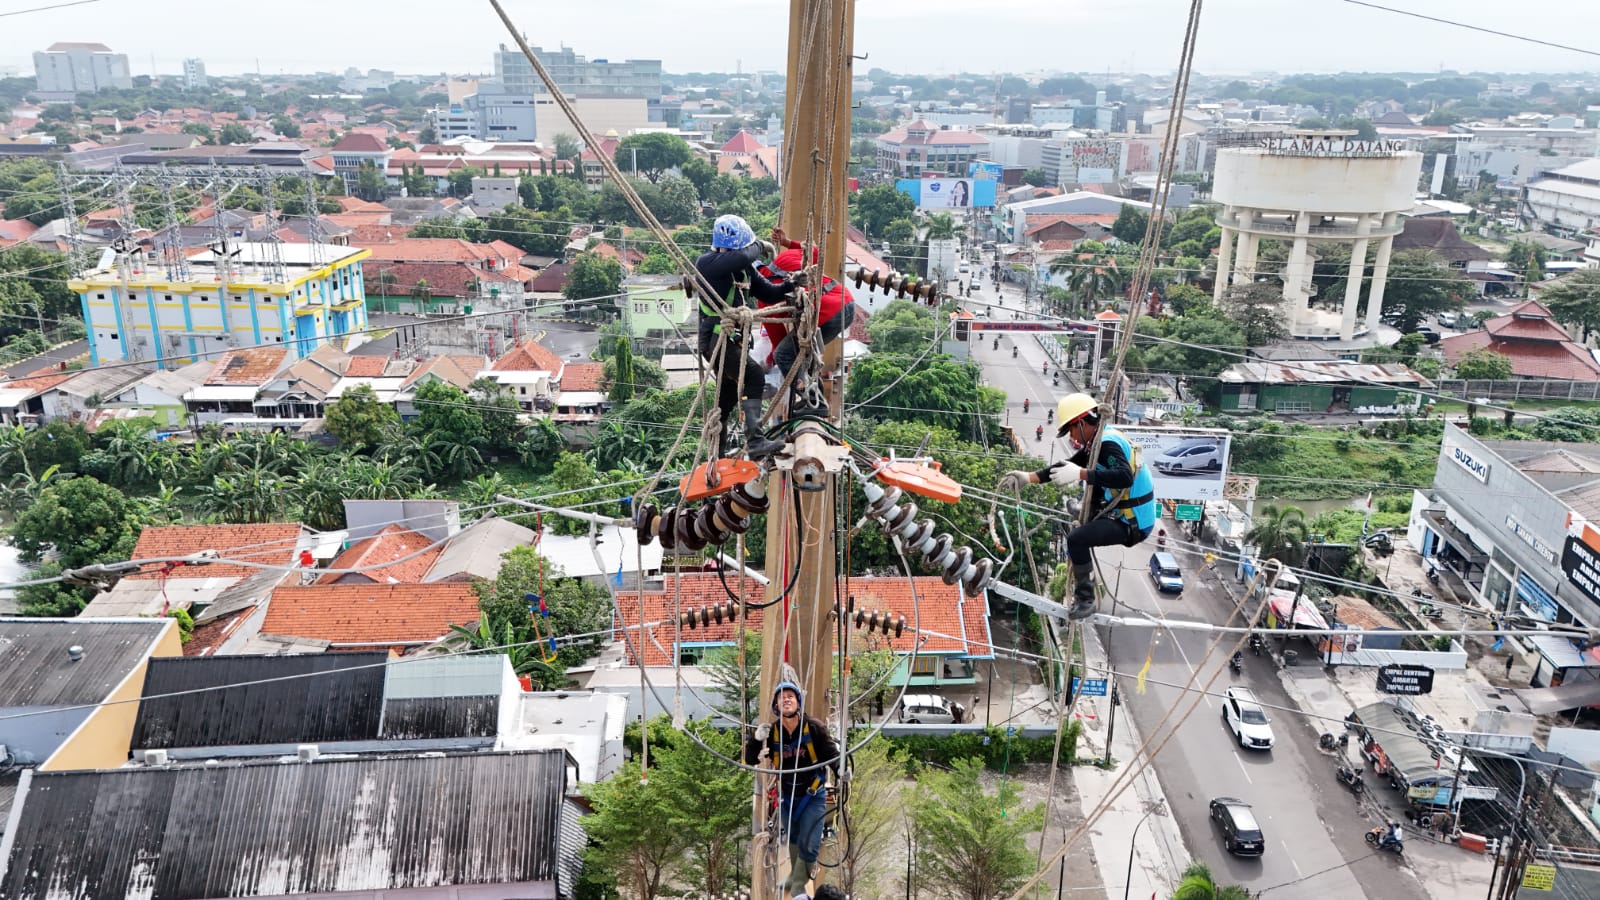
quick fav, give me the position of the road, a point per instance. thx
(50, 360)
(1312, 825)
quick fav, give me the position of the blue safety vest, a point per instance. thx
(1135, 504)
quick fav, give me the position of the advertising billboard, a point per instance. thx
(1087, 175)
(990, 170)
(1184, 463)
(948, 193)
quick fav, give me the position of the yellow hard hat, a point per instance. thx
(1073, 407)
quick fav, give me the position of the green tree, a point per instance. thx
(656, 262)
(234, 133)
(502, 425)
(1279, 533)
(1526, 259)
(1130, 224)
(1575, 301)
(56, 599)
(730, 680)
(359, 419)
(973, 843)
(622, 377)
(676, 201)
(1201, 328)
(526, 230)
(573, 477)
(1483, 364)
(1035, 177)
(1568, 424)
(1364, 129)
(942, 226)
(285, 126)
(1421, 286)
(874, 207)
(575, 608)
(592, 275)
(652, 154)
(246, 495)
(446, 412)
(708, 801)
(903, 326)
(82, 519)
(370, 183)
(941, 391)
(1197, 883)
(877, 779)
(1258, 311)
(631, 834)
(451, 227)
(201, 131)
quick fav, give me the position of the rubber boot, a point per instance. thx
(756, 444)
(1082, 591)
(794, 886)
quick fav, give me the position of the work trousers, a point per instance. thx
(1100, 532)
(737, 377)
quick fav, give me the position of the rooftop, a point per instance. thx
(394, 555)
(248, 368)
(371, 614)
(273, 543)
(529, 356)
(582, 376)
(1322, 371)
(36, 670)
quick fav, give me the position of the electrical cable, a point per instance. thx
(1479, 28)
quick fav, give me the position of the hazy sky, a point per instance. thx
(928, 36)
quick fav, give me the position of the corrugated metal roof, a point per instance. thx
(420, 718)
(347, 706)
(35, 669)
(270, 829)
(1322, 372)
(481, 675)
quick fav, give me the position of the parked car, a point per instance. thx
(1247, 719)
(930, 709)
(1428, 334)
(1449, 319)
(1165, 573)
(1191, 457)
(1241, 836)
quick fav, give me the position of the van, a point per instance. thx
(1165, 573)
(930, 709)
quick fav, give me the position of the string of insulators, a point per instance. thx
(900, 286)
(938, 550)
(706, 616)
(872, 619)
(693, 528)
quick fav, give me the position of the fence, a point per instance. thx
(1531, 389)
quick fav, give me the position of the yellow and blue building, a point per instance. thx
(302, 295)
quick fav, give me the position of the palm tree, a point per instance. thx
(942, 226)
(1197, 884)
(482, 494)
(246, 497)
(1280, 534)
(526, 658)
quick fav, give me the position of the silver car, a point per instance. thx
(1192, 457)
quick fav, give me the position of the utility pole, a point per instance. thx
(821, 44)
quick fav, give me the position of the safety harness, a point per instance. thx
(801, 744)
(1120, 502)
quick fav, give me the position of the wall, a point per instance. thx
(624, 115)
(102, 740)
(1253, 178)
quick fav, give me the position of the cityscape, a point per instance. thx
(400, 498)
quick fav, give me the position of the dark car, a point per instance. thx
(1241, 836)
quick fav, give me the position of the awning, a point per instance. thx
(1457, 538)
(1561, 652)
(1406, 753)
(1571, 695)
(1306, 614)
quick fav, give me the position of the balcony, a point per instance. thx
(1346, 231)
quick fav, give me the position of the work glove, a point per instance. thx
(1014, 480)
(763, 731)
(1065, 473)
(800, 278)
(768, 252)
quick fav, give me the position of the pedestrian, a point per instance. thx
(802, 752)
(1511, 660)
(729, 269)
(1123, 509)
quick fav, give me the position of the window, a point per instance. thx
(925, 665)
(99, 296)
(641, 307)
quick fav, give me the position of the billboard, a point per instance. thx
(1087, 175)
(1184, 463)
(948, 193)
(990, 170)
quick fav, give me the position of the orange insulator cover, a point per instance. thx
(924, 481)
(730, 472)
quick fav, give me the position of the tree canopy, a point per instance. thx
(655, 152)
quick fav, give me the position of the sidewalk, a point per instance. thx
(1156, 848)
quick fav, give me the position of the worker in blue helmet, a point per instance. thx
(729, 268)
(1119, 490)
(802, 752)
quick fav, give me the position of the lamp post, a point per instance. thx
(1522, 788)
(1154, 809)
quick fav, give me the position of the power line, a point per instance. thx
(1455, 24)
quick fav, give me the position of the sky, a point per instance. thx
(912, 36)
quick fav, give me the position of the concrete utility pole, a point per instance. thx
(816, 148)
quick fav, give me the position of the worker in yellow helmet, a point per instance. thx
(1120, 493)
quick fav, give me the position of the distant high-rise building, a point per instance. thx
(69, 68)
(194, 75)
(578, 75)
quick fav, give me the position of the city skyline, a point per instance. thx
(1236, 37)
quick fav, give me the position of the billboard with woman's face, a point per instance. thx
(948, 193)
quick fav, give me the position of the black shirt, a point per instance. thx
(788, 753)
(719, 269)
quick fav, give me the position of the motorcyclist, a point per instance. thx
(1038, 433)
(1013, 353)
(1393, 835)
(1025, 404)
(797, 745)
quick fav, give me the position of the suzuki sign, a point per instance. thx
(1477, 468)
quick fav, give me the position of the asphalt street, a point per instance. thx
(1312, 825)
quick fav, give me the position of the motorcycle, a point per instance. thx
(1038, 433)
(1045, 370)
(1013, 350)
(1350, 777)
(1055, 380)
(1376, 838)
(1331, 741)
(1025, 405)
(1049, 416)
(1257, 644)
(1433, 574)
(997, 343)
(1236, 662)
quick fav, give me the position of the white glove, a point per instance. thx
(1014, 480)
(1066, 473)
(763, 731)
(767, 250)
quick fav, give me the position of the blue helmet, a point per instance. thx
(731, 233)
(787, 686)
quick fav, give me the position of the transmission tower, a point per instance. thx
(127, 250)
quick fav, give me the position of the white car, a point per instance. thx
(1246, 718)
(1192, 457)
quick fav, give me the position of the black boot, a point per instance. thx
(756, 445)
(1083, 601)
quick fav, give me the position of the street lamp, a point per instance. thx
(1157, 808)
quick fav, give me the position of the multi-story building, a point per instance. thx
(920, 148)
(194, 75)
(68, 68)
(579, 76)
(1566, 199)
(356, 150)
(301, 295)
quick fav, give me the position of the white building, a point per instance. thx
(1313, 187)
(494, 193)
(68, 68)
(1076, 202)
(1566, 199)
(301, 295)
(194, 75)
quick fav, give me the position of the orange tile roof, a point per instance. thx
(272, 543)
(529, 356)
(582, 376)
(387, 546)
(39, 383)
(256, 366)
(366, 366)
(952, 626)
(371, 613)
